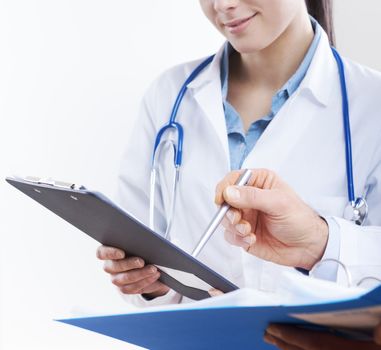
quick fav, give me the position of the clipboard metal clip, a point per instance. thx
(50, 182)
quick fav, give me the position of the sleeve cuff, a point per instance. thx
(328, 270)
(171, 297)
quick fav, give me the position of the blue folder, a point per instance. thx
(211, 328)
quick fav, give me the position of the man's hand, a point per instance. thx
(130, 274)
(294, 338)
(270, 221)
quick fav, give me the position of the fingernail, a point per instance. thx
(214, 292)
(273, 330)
(152, 269)
(232, 193)
(139, 262)
(269, 339)
(250, 239)
(119, 254)
(241, 228)
(230, 214)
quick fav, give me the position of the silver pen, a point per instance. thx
(242, 180)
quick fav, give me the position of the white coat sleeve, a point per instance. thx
(134, 182)
(359, 247)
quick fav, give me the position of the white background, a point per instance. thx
(71, 76)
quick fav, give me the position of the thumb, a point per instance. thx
(248, 197)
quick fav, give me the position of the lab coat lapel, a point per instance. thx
(311, 98)
(210, 101)
(207, 93)
(282, 134)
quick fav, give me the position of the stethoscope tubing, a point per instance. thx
(184, 87)
(172, 124)
(347, 128)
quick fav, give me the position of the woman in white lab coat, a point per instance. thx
(302, 142)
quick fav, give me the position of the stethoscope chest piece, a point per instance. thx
(357, 211)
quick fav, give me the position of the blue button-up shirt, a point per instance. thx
(241, 143)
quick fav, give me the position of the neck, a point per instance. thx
(263, 67)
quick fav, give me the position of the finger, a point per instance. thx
(280, 344)
(315, 340)
(215, 292)
(263, 178)
(239, 241)
(123, 265)
(155, 287)
(109, 253)
(233, 216)
(229, 179)
(133, 276)
(246, 197)
(137, 287)
(242, 228)
(293, 335)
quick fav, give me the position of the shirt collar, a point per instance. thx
(322, 69)
(293, 83)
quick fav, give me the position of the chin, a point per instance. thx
(246, 47)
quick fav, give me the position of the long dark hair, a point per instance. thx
(321, 10)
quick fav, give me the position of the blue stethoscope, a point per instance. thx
(357, 208)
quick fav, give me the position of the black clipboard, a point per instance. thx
(101, 219)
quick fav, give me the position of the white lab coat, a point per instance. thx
(304, 145)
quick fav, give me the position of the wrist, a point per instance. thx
(316, 248)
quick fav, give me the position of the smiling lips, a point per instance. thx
(239, 25)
